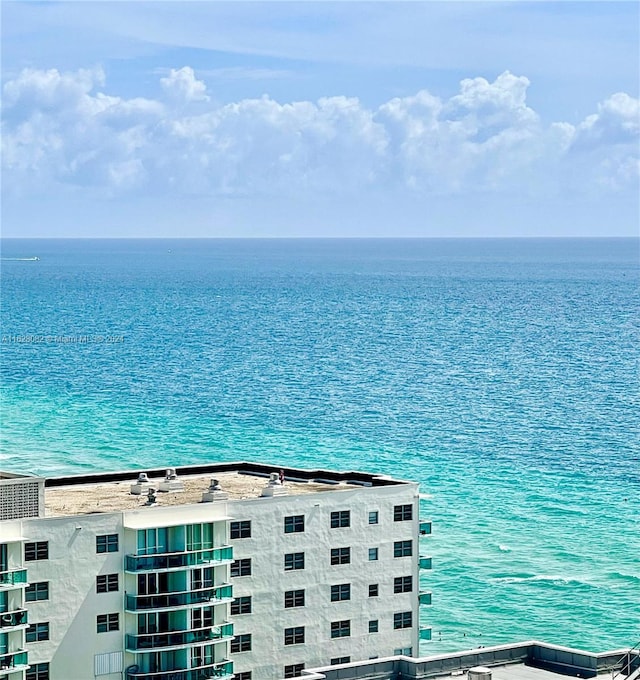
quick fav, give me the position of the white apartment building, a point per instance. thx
(221, 571)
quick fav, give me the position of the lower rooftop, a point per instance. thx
(520, 661)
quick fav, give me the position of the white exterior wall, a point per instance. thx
(73, 603)
(269, 581)
(71, 570)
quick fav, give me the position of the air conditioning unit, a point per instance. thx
(479, 673)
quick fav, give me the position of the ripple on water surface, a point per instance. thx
(501, 375)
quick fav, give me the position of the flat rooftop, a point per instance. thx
(530, 660)
(519, 671)
(111, 492)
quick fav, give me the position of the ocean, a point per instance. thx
(501, 374)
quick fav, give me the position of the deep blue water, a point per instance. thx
(502, 375)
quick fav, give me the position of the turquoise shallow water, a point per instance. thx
(500, 374)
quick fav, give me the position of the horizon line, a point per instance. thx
(309, 238)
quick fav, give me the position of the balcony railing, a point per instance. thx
(205, 556)
(19, 617)
(209, 596)
(425, 633)
(155, 641)
(13, 577)
(424, 597)
(221, 671)
(425, 527)
(425, 562)
(12, 660)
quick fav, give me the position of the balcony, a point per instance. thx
(209, 557)
(222, 670)
(425, 562)
(158, 641)
(8, 620)
(13, 577)
(425, 633)
(13, 661)
(210, 596)
(424, 597)
(425, 527)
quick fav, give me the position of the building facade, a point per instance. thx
(173, 575)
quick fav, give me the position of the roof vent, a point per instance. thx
(275, 486)
(214, 493)
(171, 482)
(151, 496)
(479, 673)
(142, 484)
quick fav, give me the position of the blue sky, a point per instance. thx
(320, 118)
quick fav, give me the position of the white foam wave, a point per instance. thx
(554, 579)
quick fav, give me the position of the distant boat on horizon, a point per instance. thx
(21, 259)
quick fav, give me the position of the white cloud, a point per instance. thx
(182, 84)
(617, 122)
(57, 129)
(62, 128)
(608, 142)
(50, 90)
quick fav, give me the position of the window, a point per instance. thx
(373, 590)
(342, 518)
(202, 578)
(37, 591)
(403, 651)
(36, 551)
(245, 675)
(241, 605)
(241, 567)
(37, 632)
(241, 643)
(341, 592)
(403, 584)
(373, 626)
(373, 554)
(373, 517)
(156, 541)
(199, 536)
(402, 549)
(294, 598)
(107, 583)
(107, 543)
(293, 671)
(294, 524)
(294, 636)
(38, 671)
(402, 513)
(340, 555)
(402, 620)
(241, 529)
(200, 618)
(108, 622)
(340, 629)
(340, 659)
(293, 561)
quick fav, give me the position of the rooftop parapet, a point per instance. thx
(518, 661)
(127, 490)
